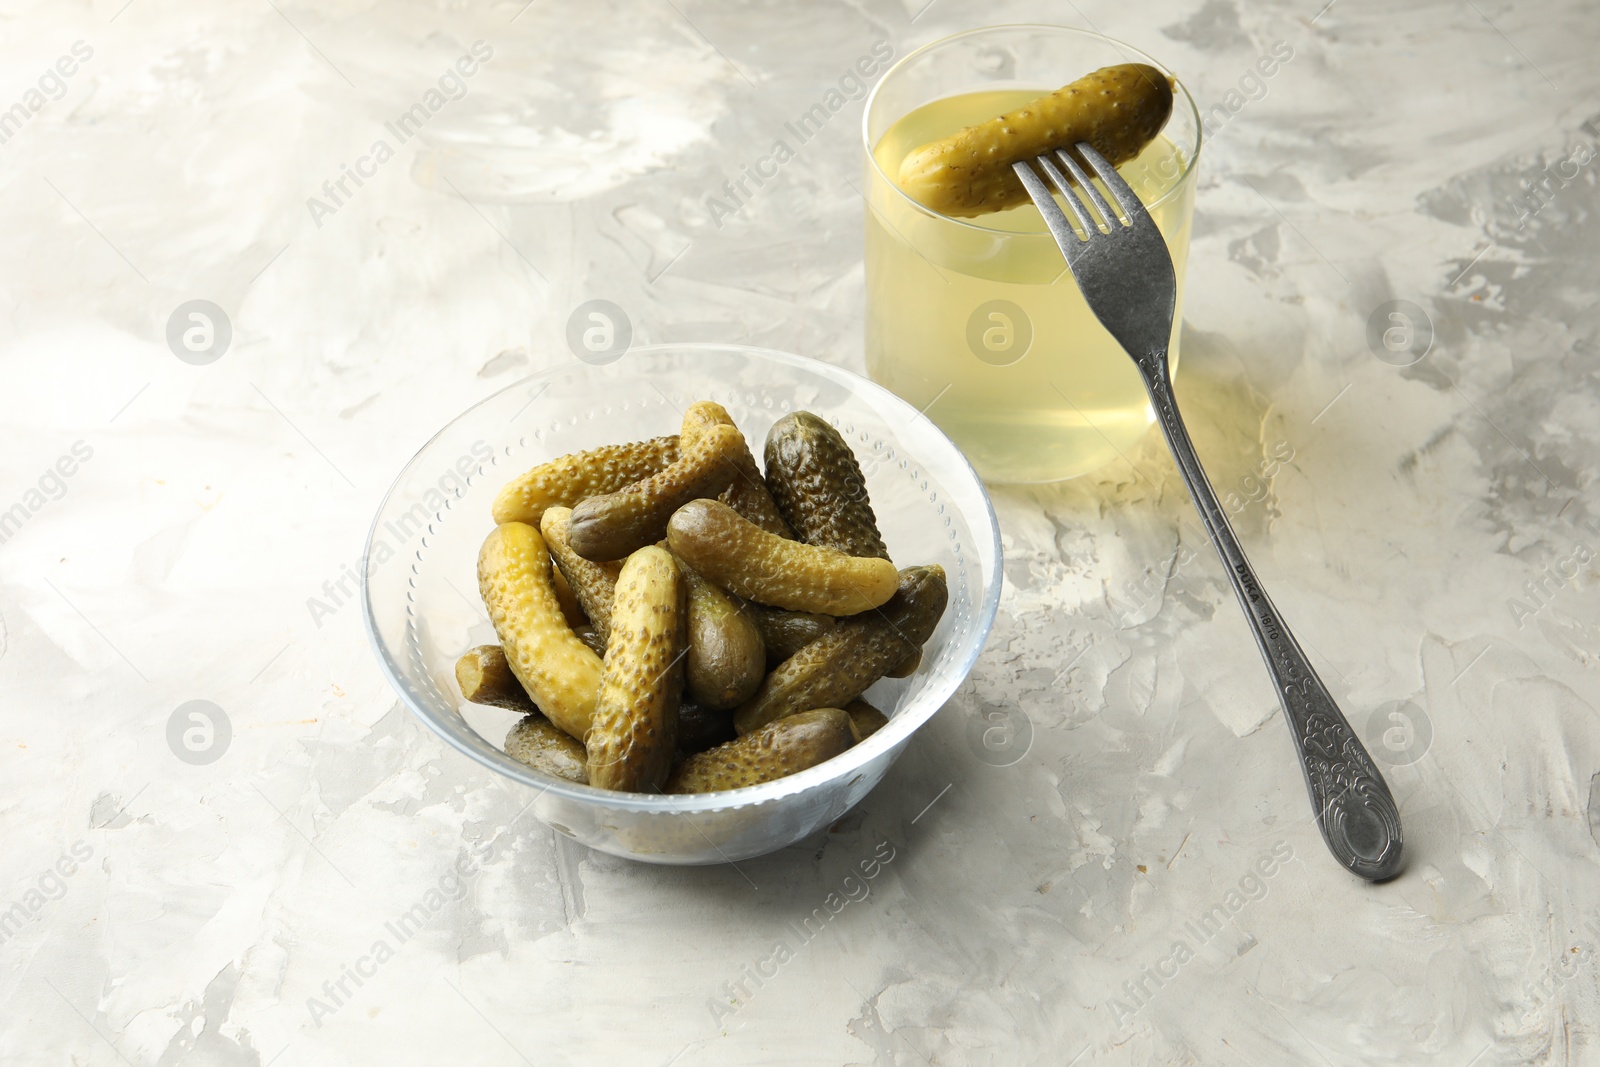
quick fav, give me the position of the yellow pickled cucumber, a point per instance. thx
(485, 678)
(536, 741)
(865, 720)
(775, 751)
(727, 658)
(839, 666)
(558, 671)
(740, 556)
(593, 584)
(569, 479)
(1118, 110)
(747, 493)
(613, 525)
(634, 735)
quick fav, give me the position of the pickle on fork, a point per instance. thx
(1116, 109)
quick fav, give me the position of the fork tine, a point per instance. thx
(1113, 220)
(1060, 226)
(1089, 223)
(1119, 188)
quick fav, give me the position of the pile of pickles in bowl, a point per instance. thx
(692, 656)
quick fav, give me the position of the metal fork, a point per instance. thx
(1126, 277)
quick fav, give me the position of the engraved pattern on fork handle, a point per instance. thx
(1352, 803)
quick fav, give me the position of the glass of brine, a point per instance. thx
(978, 321)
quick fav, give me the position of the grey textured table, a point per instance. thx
(1131, 877)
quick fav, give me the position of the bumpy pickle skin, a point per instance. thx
(747, 493)
(616, 524)
(817, 484)
(634, 736)
(839, 666)
(727, 658)
(485, 678)
(539, 743)
(594, 584)
(735, 553)
(556, 669)
(775, 751)
(565, 481)
(1118, 110)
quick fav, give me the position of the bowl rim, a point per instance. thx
(941, 686)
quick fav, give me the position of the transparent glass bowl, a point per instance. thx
(419, 583)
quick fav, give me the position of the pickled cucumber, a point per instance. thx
(635, 724)
(727, 658)
(701, 728)
(817, 484)
(787, 632)
(747, 493)
(569, 479)
(865, 720)
(774, 751)
(838, 667)
(738, 555)
(592, 640)
(611, 526)
(906, 667)
(536, 741)
(485, 678)
(1118, 110)
(594, 584)
(558, 671)
(571, 610)
(814, 474)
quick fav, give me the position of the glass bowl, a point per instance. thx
(420, 589)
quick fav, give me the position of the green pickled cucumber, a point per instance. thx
(787, 632)
(817, 483)
(774, 751)
(727, 658)
(865, 720)
(591, 638)
(701, 728)
(1118, 110)
(838, 667)
(539, 743)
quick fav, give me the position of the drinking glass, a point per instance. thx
(978, 322)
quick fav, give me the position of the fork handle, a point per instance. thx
(1353, 806)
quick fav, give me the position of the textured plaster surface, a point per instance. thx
(1138, 884)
